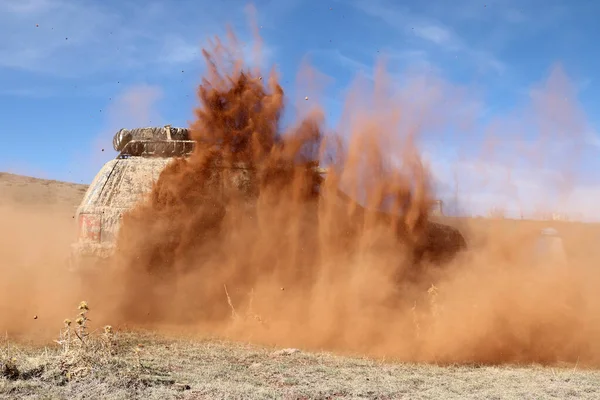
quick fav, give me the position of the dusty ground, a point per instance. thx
(144, 365)
(210, 369)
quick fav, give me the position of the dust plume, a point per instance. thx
(246, 238)
(36, 292)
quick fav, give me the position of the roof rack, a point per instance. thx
(157, 148)
(164, 142)
(166, 133)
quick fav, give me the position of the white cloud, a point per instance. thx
(436, 34)
(483, 185)
(519, 181)
(135, 106)
(177, 50)
(592, 138)
(341, 59)
(525, 161)
(259, 55)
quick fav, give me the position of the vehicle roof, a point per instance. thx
(134, 173)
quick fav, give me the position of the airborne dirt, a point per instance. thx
(293, 264)
(276, 261)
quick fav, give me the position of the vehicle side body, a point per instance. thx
(144, 154)
(116, 188)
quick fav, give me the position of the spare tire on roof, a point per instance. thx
(124, 136)
(121, 138)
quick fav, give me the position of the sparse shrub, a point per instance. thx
(81, 354)
(83, 351)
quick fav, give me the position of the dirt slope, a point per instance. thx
(29, 191)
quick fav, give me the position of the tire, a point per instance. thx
(121, 138)
(124, 136)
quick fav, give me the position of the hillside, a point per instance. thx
(25, 190)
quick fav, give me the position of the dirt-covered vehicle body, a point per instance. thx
(143, 155)
(120, 183)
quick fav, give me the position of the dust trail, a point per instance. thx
(305, 270)
(298, 262)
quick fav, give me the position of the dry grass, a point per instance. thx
(131, 365)
(153, 367)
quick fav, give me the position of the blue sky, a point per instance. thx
(74, 72)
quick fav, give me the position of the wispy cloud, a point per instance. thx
(58, 36)
(531, 159)
(340, 59)
(511, 11)
(177, 50)
(415, 26)
(482, 185)
(436, 34)
(26, 6)
(29, 92)
(135, 106)
(592, 137)
(72, 39)
(524, 14)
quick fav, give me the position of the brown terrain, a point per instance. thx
(29, 191)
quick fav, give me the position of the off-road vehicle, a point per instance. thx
(120, 183)
(143, 154)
